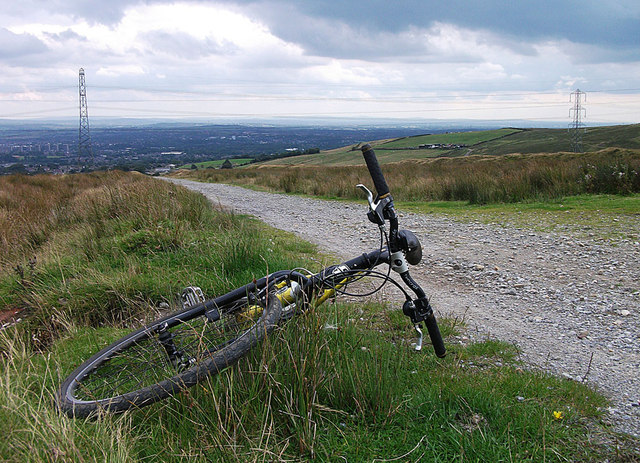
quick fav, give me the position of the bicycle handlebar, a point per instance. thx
(374, 170)
(425, 313)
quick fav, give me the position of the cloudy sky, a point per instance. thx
(409, 59)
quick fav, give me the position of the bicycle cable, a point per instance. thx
(370, 273)
(384, 237)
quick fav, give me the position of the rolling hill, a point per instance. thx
(491, 142)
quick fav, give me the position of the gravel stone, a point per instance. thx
(571, 304)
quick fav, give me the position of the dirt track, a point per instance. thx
(571, 305)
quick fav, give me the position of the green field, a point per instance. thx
(218, 163)
(556, 140)
(396, 150)
(342, 157)
(464, 138)
(489, 142)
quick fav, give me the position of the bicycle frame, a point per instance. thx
(322, 286)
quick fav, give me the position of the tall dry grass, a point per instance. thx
(32, 208)
(476, 179)
(112, 247)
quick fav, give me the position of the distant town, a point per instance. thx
(159, 148)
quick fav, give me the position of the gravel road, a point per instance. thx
(570, 304)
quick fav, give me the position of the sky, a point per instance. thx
(290, 59)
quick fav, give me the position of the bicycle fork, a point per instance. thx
(190, 296)
(177, 358)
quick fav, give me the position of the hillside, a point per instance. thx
(555, 140)
(491, 142)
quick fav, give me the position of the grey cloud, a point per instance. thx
(323, 37)
(591, 21)
(66, 36)
(594, 54)
(336, 39)
(613, 24)
(19, 45)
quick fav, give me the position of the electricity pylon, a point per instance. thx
(84, 137)
(576, 127)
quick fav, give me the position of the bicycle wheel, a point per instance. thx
(169, 355)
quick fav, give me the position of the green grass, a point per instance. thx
(466, 138)
(218, 163)
(392, 150)
(353, 158)
(488, 142)
(601, 217)
(476, 179)
(311, 392)
(554, 140)
(120, 249)
(338, 383)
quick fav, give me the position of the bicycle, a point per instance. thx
(207, 336)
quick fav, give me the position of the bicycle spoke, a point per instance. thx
(147, 362)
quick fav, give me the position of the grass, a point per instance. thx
(218, 163)
(107, 252)
(465, 138)
(313, 392)
(338, 383)
(489, 143)
(600, 217)
(395, 150)
(350, 158)
(554, 140)
(591, 195)
(474, 179)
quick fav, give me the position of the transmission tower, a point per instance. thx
(84, 137)
(576, 126)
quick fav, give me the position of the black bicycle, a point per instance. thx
(179, 350)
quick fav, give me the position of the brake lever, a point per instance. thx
(418, 329)
(376, 209)
(369, 195)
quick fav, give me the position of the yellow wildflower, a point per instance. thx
(558, 415)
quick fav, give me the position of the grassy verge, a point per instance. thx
(474, 179)
(591, 195)
(328, 386)
(597, 217)
(217, 163)
(112, 249)
(338, 383)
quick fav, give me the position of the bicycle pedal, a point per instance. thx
(191, 296)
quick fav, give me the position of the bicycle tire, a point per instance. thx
(136, 370)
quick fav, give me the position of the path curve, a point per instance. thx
(571, 305)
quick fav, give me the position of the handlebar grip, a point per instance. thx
(436, 337)
(374, 170)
